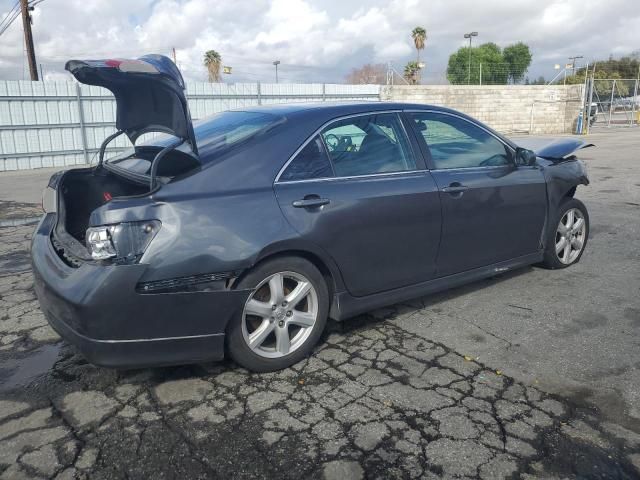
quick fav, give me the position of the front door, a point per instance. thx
(492, 209)
(356, 191)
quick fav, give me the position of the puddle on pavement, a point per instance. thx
(20, 372)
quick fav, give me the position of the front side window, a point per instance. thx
(310, 162)
(456, 143)
(368, 144)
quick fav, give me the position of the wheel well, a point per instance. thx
(314, 259)
(571, 192)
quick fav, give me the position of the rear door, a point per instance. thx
(492, 209)
(358, 191)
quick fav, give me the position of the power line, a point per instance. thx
(14, 13)
(13, 9)
(10, 17)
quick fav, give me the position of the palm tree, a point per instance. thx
(411, 70)
(419, 35)
(213, 60)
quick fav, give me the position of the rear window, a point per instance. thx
(223, 130)
(229, 128)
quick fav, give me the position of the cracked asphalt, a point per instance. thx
(452, 385)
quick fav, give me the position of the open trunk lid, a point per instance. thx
(149, 93)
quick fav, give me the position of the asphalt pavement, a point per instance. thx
(530, 374)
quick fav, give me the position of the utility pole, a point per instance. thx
(28, 39)
(470, 36)
(276, 63)
(573, 63)
(173, 54)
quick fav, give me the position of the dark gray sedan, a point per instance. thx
(247, 230)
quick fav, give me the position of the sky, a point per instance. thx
(315, 41)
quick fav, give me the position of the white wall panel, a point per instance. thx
(40, 121)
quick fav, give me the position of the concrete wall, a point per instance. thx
(510, 109)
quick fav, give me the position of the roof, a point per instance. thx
(333, 109)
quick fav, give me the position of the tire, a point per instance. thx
(575, 236)
(267, 316)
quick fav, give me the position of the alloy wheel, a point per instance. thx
(280, 314)
(570, 236)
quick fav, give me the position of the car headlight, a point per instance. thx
(123, 242)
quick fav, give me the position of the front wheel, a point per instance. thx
(567, 236)
(283, 317)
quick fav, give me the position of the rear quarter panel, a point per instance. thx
(213, 233)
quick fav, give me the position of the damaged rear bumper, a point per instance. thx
(96, 308)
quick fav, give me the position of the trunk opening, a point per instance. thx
(82, 191)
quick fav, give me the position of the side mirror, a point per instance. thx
(525, 157)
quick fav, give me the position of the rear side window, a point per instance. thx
(311, 162)
(368, 144)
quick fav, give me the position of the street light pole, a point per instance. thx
(470, 35)
(276, 63)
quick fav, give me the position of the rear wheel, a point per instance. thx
(568, 234)
(283, 317)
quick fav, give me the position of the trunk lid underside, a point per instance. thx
(149, 93)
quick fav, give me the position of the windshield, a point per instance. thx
(223, 130)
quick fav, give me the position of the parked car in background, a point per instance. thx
(245, 231)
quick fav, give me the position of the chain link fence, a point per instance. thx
(612, 103)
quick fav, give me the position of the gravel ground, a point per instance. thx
(533, 374)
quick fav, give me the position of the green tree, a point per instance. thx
(603, 83)
(624, 70)
(494, 70)
(411, 71)
(213, 61)
(517, 58)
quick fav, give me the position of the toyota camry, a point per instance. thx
(245, 231)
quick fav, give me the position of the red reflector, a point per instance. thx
(113, 63)
(107, 196)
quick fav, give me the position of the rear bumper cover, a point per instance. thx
(97, 309)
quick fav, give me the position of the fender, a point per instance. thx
(562, 179)
(562, 170)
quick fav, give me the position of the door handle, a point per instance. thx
(311, 202)
(455, 188)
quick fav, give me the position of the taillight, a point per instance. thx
(123, 242)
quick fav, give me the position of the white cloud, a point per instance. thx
(316, 40)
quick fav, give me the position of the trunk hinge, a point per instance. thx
(156, 161)
(103, 147)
